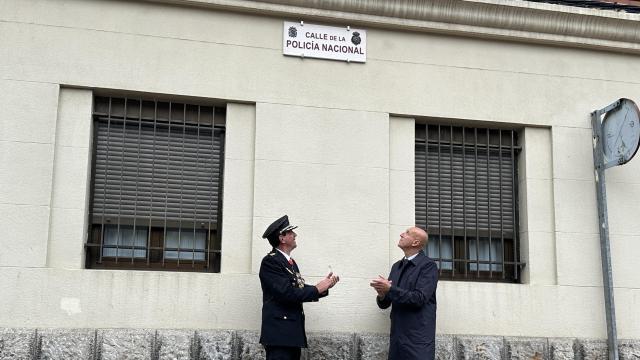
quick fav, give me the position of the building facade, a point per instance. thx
(146, 145)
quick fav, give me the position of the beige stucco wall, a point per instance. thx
(329, 143)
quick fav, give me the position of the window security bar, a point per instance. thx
(156, 185)
(466, 198)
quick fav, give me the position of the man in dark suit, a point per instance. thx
(410, 290)
(283, 292)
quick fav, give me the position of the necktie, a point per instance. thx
(403, 267)
(291, 262)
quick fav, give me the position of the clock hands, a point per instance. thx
(618, 137)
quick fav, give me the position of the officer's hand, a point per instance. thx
(334, 279)
(327, 283)
(324, 285)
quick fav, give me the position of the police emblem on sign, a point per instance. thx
(355, 39)
(293, 32)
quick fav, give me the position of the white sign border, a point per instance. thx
(324, 42)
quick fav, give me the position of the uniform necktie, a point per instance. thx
(291, 262)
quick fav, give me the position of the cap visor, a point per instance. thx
(288, 228)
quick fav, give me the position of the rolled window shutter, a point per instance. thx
(156, 171)
(468, 187)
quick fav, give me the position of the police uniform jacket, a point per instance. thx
(282, 298)
(412, 298)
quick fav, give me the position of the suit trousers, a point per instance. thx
(282, 352)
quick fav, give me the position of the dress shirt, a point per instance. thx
(285, 255)
(411, 257)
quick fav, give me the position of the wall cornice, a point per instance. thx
(513, 20)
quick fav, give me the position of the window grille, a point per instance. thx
(466, 199)
(156, 185)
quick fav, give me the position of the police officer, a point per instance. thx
(283, 292)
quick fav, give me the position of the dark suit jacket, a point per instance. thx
(282, 298)
(413, 311)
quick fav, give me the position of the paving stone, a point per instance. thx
(248, 345)
(592, 349)
(372, 346)
(522, 348)
(175, 344)
(629, 349)
(17, 344)
(63, 344)
(215, 344)
(562, 349)
(326, 345)
(129, 344)
(445, 349)
(480, 347)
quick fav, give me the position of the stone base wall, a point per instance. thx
(111, 344)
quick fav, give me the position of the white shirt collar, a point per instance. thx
(285, 254)
(412, 256)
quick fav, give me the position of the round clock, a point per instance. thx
(621, 132)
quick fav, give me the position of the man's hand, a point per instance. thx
(334, 279)
(327, 283)
(381, 286)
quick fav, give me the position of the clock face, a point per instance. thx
(621, 132)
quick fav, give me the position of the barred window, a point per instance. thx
(156, 185)
(466, 198)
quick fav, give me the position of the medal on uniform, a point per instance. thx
(298, 279)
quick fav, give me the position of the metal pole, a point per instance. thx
(603, 226)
